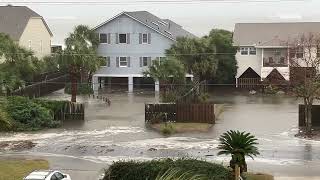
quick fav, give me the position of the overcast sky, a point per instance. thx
(197, 17)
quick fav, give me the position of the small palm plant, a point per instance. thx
(177, 174)
(238, 144)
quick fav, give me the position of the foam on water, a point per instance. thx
(70, 134)
(173, 143)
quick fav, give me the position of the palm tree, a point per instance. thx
(170, 72)
(80, 57)
(238, 144)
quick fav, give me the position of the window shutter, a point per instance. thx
(149, 61)
(128, 38)
(141, 61)
(128, 60)
(109, 39)
(108, 61)
(140, 38)
(149, 38)
(117, 38)
(117, 61)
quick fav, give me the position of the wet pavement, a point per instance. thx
(84, 148)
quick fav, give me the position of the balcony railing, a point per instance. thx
(275, 62)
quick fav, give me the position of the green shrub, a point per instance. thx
(52, 105)
(134, 170)
(28, 115)
(81, 89)
(5, 120)
(167, 128)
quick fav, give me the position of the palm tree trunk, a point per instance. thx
(309, 118)
(73, 85)
(237, 172)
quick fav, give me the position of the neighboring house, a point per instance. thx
(132, 41)
(264, 49)
(27, 28)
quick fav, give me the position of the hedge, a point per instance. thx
(28, 115)
(149, 170)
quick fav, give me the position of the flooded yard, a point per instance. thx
(118, 132)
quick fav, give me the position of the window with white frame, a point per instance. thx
(123, 38)
(103, 38)
(244, 51)
(145, 38)
(144, 61)
(252, 51)
(123, 62)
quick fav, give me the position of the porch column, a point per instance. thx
(102, 82)
(262, 56)
(236, 82)
(156, 86)
(109, 82)
(130, 84)
(95, 84)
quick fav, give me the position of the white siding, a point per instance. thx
(134, 50)
(36, 33)
(246, 61)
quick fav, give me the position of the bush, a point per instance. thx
(28, 115)
(167, 128)
(133, 170)
(52, 105)
(81, 89)
(5, 120)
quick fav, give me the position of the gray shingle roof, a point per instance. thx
(271, 34)
(165, 27)
(13, 20)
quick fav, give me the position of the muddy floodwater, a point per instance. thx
(83, 148)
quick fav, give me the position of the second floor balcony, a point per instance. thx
(275, 58)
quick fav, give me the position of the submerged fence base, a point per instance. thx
(70, 111)
(186, 113)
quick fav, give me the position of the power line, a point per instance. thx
(134, 2)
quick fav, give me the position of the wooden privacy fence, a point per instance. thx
(70, 111)
(315, 116)
(186, 113)
(42, 88)
(249, 83)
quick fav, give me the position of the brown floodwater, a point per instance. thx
(115, 132)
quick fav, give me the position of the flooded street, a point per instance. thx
(118, 132)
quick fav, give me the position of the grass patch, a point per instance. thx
(182, 127)
(18, 169)
(258, 176)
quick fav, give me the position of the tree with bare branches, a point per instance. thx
(304, 56)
